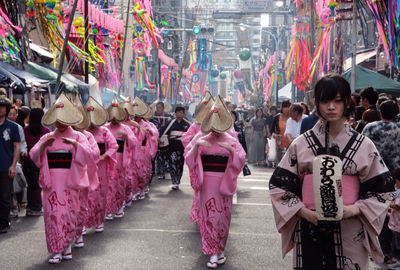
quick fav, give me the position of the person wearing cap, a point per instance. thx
(89, 203)
(216, 159)
(108, 147)
(131, 178)
(174, 130)
(126, 140)
(9, 154)
(62, 157)
(141, 158)
(365, 184)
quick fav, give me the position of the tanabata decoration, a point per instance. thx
(9, 47)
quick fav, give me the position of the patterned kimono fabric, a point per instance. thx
(332, 245)
(107, 144)
(131, 171)
(116, 187)
(161, 159)
(214, 176)
(151, 145)
(62, 176)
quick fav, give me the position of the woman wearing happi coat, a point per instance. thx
(215, 160)
(62, 156)
(152, 144)
(108, 147)
(126, 141)
(131, 173)
(366, 188)
(141, 109)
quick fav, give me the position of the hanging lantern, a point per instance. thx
(244, 54)
(222, 76)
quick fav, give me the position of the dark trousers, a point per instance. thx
(385, 238)
(5, 199)
(33, 194)
(176, 161)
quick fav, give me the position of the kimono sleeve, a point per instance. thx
(285, 190)
(376, 186)
(41, 161)
(81, 156)
(94, 147)
(110, 141)
(195, 168)
(189, 135)
(234, 167)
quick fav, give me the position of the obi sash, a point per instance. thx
(350, 190)
(59, 159)
(176, 134)
(144, 141)
(214, 163)
(121, 143)
(102, 147)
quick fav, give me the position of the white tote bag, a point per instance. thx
(272, 150)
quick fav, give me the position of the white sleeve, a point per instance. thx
(289, 127)
(24, 147)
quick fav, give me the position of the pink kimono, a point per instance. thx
(152, 146)
(107, 144)
(62, 176)
(141, 157)
(352, 239)
(116, 187)
(214, 176)
(193, 130)
(131, 182)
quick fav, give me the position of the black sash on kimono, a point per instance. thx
(214, 163)
(320, 247)
(59, 159)
(102, 147)
(121, 143)
(144, 141)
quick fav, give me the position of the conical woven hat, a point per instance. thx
(62, 111)
(140, 107)
(218, 119)
(115, 111)
(207, 98)
(167, 105)
(127, 105)
(85, 121)
(149, 114)
(204, 111)
(98, 116)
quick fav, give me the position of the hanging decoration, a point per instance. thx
(9, 48)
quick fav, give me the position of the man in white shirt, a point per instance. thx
(293, 124)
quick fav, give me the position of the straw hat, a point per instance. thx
(85, 121)
(115, 111)
(62, 111)
(128, 106)
(167, 105)
(207, 98)
(204, 111)
(140, 107)
(149, 114)
(4, 100)
(97, 115)
(218, 119)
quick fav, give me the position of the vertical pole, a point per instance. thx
(276, 70)
(86, 40)
(125, 37)
(64, 49)
(354, 48)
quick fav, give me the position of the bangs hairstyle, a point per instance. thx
(179, 108)
(327, 88)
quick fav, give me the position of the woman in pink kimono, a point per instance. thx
(152, 145)
(62, 157)
(366, 186)
(141, 109)
(215, 161)
(126, 140)
(108, 147)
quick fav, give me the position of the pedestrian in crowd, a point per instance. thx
(394, 224)
(9, 155)
(273, 111)
(369, 97)
(356, 116)
(309, 121)
(278, 129)
(160, 119)
(366, 187)
(258, 138)
(61, 156)
(356, 98)
(239, 130)
(368, 116)
(293, 124)
(217, 158)
(126, 141)
(108, 147)
(33, 132)
(306, 109)
(26, 111)
(18, 103)
(19, 190)
(175, 147)
(248, 130)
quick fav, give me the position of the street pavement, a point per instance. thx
(156, 233)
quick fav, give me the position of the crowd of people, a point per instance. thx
(83, 164)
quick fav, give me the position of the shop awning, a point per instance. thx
(361, 57)
(42, 52)
(8, 79)
(27, 78)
